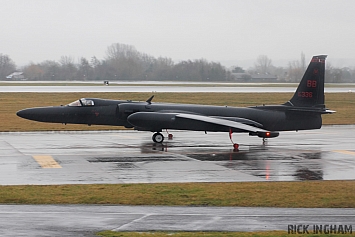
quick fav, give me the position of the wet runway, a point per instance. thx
(85, 220)
(131, 157)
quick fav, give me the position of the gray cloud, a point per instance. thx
(216, 30)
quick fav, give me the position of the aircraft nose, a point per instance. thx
(31, 114)
(43, 114)
(21, 113)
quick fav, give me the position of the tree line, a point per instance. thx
(295, 70)
(125, 62)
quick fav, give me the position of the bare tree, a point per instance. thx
(68, 68)
(296, 69)
(34, 72)
(94, 62)
(303, 61)
(263, 64)
(124, 62)
(84, 70)
(7, 66)
(332, 74)
(118, 51)
(66, 61)
(51, 70)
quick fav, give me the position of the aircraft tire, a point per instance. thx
(158, 137)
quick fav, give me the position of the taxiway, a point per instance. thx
(131, 157)
(85, 220)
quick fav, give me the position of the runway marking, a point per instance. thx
(46, 162)
(131, 222)
(345, 152)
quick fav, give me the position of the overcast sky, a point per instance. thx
(217, 30)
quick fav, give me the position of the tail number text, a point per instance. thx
(304, 94)
(312, 84)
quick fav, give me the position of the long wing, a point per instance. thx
(223, 122)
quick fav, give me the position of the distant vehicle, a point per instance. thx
(302, 112)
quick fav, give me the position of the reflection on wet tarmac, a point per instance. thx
(121, 159)
(306, 174)
(269, 164)
(131, 157)
(262, 161)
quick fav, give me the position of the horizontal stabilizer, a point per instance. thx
(310, 110)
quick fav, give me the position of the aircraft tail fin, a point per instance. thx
(310, 91)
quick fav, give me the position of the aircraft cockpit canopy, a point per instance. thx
(82, 102)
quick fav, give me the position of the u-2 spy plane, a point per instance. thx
(302, 112)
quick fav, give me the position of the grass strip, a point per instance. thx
(343, 103)
(212, 234)
(307, 194)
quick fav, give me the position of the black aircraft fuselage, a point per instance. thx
(302, 112)
(159, 116)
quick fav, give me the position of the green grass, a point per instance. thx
(246, 194)
(343, 103)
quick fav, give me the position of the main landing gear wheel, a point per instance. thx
(158, 137)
